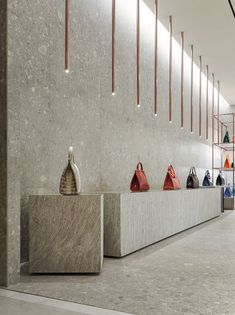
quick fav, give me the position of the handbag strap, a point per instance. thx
(193, 171)
(171, 171)
(139, 166)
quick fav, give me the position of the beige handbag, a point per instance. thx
(70, 182)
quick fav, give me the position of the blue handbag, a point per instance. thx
(233, 192)
(207, 180)
(228, 192)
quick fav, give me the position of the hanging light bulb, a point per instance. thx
(213, 107)
(170, 69)
(156, 59)
(191, 96)
(207, 101)
(138, 53)
(200, 96)
(66, 36)
(218, 110)
(113, 44)
(182, 81)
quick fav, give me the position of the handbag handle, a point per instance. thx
(171, 171)
(193, 171)
(139, 166)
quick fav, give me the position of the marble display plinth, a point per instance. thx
(66, 234)
(135, 220)
(228, 204)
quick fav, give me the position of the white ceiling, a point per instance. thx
(210, 26)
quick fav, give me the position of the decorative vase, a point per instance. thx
(70, 182)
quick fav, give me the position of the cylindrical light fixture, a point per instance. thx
(191, 96)
(170, 69)
(156, 61)
(113, 44)
(200, 96)
(207, 101)
(67, 24)
(182, 81)
(218, 111)
(138, 53)
(213, 107)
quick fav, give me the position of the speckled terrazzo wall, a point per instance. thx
(109, 134)
(3, 145)
(9, 162)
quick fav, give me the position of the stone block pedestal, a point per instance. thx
(66, 234)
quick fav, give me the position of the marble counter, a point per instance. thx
(135, 220)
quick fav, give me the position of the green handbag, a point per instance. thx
(226, 138)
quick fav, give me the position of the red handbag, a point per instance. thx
(171, 181)
(139, 181)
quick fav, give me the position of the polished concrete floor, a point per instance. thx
(190, 273)
(12, 303)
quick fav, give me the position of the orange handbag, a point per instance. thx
(171, 181)
(139, 181)
(227, 163)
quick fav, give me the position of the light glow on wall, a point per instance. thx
(127, 11)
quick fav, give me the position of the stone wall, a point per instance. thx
(109, 134)
(3, 143)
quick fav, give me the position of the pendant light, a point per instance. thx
(213, 107)
(191, 94)
(200, 96)
(182, 81)
(170, 69)
(67, 24)
(218, 109)
(156, 61)
(207, 101)
(138, 53)
(113, 44)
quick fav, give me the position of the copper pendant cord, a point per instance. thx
(113, 44)
(207, 101)
(213, 107)
(156, 60)
(182, 80)
(200, 96)
(191, 96)
(218, 110)
(138, 53)
(221, 132)
(170, 69)
(67, 22)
